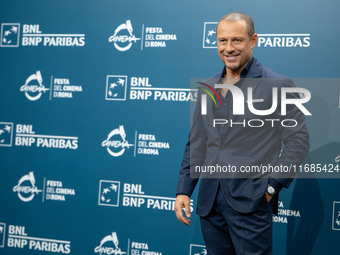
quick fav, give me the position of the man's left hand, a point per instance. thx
(268, 197)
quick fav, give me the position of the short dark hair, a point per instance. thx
(236, 16)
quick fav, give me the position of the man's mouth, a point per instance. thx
(231, 58)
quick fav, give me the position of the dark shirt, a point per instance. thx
(224, 111)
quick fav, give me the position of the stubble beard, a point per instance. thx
(237, 67)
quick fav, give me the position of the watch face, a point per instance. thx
(271, 190)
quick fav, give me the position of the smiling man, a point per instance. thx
(236, 210)
(235, 40)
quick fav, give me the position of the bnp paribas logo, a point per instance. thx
(6, 134)
(209, 35)
(116, 87)
(336, 215)
(265, 40)
(2, 234)
(196, 249)
(10, 34)
(109, 193)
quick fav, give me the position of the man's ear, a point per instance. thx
(253, 40)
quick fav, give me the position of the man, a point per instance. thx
(235, 212)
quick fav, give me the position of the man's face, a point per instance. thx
(234, 46)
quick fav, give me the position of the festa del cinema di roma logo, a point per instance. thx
(34, 87)
(116, 142)
(105, 245)
(152, 37)
(26, 188)
(120, 39)
(144, 144)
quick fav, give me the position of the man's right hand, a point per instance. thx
(183, 201)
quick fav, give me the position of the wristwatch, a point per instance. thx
(271, 190)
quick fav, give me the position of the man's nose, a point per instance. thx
(229, 47)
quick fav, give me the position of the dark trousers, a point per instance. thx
(228, 232)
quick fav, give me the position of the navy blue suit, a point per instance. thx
(239, 146)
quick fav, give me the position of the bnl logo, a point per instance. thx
(196, 249)
(336, 215)
(209, 35)
(108, 193)
(2, 234)
(6, 134)
(116, 87)
(10, 34)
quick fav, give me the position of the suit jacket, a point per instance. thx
(244, 146)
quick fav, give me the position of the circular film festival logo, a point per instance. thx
(122, 40)
(101, 249)
(26, 188)
(32, 90)
(116, 143)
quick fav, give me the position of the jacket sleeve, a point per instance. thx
(194, 153)
(295, 140)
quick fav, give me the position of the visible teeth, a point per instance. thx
(231, 57)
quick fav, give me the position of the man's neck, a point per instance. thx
(229, 74)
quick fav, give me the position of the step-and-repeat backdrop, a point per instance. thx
(94, 115)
